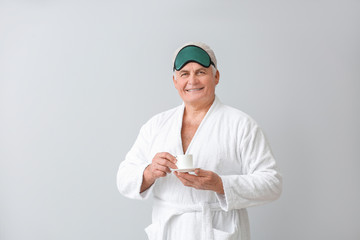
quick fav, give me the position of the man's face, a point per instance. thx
(196, 84)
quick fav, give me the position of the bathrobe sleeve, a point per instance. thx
(259, 182)
(130, 172)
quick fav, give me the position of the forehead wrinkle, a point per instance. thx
(194, 68)
(183, 70)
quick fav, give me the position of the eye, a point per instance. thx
(184, 74)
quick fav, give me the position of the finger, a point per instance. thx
(189, 177)
(162, 168)
(171, 164)
(202, 173)
(165, 162)
(165, 159)
(177, 174)
(158, 173)
(184, 181)
(168, 156)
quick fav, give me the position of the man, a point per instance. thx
(235, 166)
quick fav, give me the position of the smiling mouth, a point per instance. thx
(194, 89)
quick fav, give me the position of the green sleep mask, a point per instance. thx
(192, 53)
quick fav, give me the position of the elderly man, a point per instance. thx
(235, 166)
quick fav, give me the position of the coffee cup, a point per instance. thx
(184, 161)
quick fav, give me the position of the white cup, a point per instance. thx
(184, 161)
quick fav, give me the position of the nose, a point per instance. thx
(192, 79)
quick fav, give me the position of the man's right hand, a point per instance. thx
(159, 167)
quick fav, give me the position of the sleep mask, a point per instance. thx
(192, 53)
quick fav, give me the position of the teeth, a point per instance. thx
(195, 89)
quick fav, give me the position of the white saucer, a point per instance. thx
(185, 170)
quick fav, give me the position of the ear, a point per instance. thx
(174, 81)
(217, 77)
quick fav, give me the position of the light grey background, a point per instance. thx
(79, 78)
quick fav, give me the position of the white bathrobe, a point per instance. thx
(227, 142)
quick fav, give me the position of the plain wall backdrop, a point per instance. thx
(79, 78)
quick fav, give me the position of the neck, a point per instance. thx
(193, 110)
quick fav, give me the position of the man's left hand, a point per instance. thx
(204, 180)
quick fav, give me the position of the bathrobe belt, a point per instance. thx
(174, 209)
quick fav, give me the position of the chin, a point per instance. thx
(195, 100)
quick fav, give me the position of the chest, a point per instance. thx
(187, 133)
